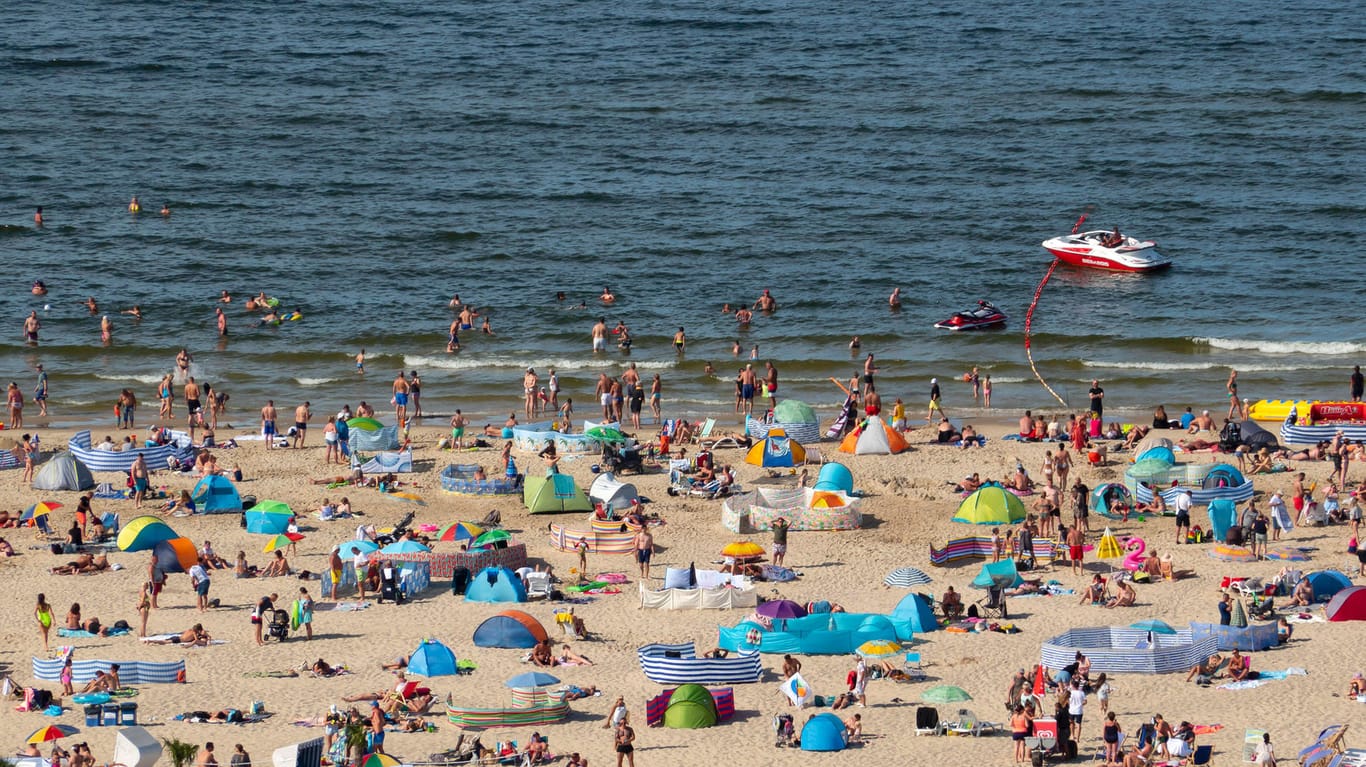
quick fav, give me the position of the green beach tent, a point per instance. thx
(554, 494)
(992, 505)
(691, 707)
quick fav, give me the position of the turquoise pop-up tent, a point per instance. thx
(998, 571)
(824, 732)
(432, 658)
(915, 609)
(215, 494)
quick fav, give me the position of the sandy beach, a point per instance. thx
(909, 503)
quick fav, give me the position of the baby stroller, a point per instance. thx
(621, 460)
(278, 627)
(785, 730)
(389, 589)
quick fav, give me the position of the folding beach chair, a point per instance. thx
(704, 433)
(913, 667)
(927, 720)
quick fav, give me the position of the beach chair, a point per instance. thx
(967, 724)
(491, 520)
(703, 433)
(538, 585)
(993, 605)
(1202, 755)
(913, 667)
(927, 721)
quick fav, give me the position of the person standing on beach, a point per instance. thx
(780, 527)
(141, 484)
(599, 334)
(458, 424)
(1358, 384)
(603, 391)
(748, 382)
(401, 390)
(529, 384)
(301, 416)
(935, 404)
(415, 391)
(31, 328)
(1097, 398)
(1080, 506)
(771, 384)
(43, 613)
(306, 612)
(268, 415)
(645, 548)
(1235, 406)
(625, 739)
(157, 578)
(14, 400)
(40, 391)
(199, 580)
(986, 392)
(656, 387)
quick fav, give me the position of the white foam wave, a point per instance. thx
(461, 362)
(316, 381)
(1169, 366)
(1334, 348)
(1010, 380)
(146, 379)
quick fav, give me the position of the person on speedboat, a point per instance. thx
(1113, 240)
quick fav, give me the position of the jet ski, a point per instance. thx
(984, 315)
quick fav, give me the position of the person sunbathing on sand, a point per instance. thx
(1206, 670)
(84, 563)
(570, 658)
(356, 477)
(194, 636)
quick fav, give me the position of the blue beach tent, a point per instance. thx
(431, 658)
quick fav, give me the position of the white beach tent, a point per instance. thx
(135, 747)
(608, 490)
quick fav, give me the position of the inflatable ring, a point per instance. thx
(91, 698)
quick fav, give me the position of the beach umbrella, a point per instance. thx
(1153, 626)
(877, 649)
(351, 548)
(1227, 553)
(945, 693)
(142, 533)
(51, 732)
(742, 550)
(375, 759)
(1238, 619)
(409, 497)
(530, 680)
(1288, 554)
(404, 547)
(605, 434)
(794, 411)
(272, 507)
(492, 537)
(460, 531)
(1038, 681)
(781, 609)
(1109, 547)
(39, 509)
(281, 541)
(906, 577)
(177, 555)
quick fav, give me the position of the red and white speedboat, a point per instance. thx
(1100, 249)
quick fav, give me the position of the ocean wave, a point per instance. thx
(1334, 348)
(457, 362)
(1159, 366)
(145, 378)
(317, 381)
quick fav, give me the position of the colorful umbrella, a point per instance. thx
(906, 577)
(492, 537)
(945, 693)
(742, 550)
(531, 680)
(1109, 547)
(404, 547)
(375, 759)
(409, 497)
(781, 609)
(281, 541)
(272, 507)
(460, 531)
(1153, 626)
(1229, 553)
(1288, 554)
(351, 548)
(42, 508)
(51, 732)
(1238, 619)
(877, 649)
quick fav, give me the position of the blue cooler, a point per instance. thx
(92, 716)
(109, 715)
(128, 713)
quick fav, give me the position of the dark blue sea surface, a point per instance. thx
(364, 162)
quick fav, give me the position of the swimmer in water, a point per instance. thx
(855, 343)
(38, 217)
(262, 299)
(224, 297)
(725, 308)
(707, 369)
(106, 329)
(735, 349)
(183, 360)
(134, 206)
(454, 302)
(743, 315)
(360, 362)
(136, 312)
(894, 300)
(766, 302)
(607, 297)
(754, 353)
(90, 304)
(39, 288)
(559, 295)
(270, 318)
(165, 210)
(486, 328)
